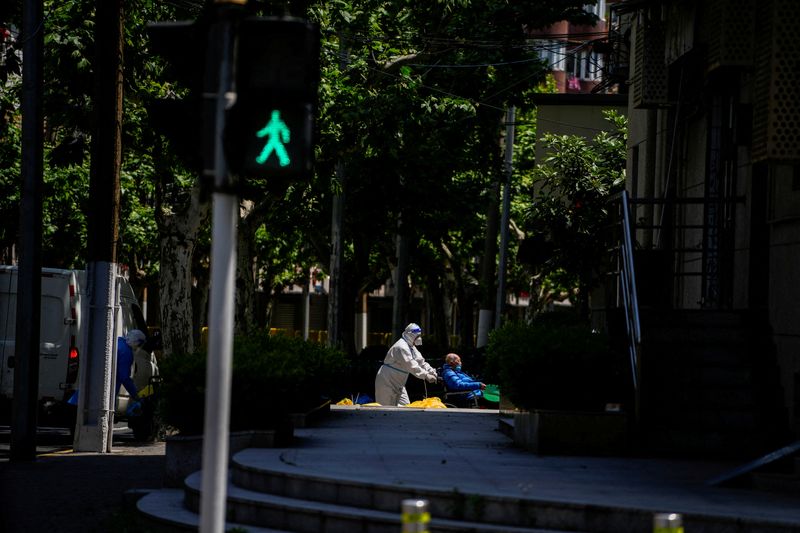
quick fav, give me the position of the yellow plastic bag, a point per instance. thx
(428, 403)
(345, 401)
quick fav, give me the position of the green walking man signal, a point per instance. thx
(269, 131)
(277, 134)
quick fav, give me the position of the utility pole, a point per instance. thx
(335, 282)
(29, 273)
(487, 291)
(95, 423)
(337, 239)
(504, 217)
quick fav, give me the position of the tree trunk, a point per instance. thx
(179, 232)
(251, 218)
(467, 295)
(487, 285)
(337, 239)
(438, 319)
(401, 292)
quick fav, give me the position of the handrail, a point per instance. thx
(629, 293)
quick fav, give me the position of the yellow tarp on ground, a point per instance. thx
(429, 403)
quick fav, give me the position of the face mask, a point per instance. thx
(418, 341)
(458, 368)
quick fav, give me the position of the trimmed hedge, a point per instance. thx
(272, 377)
(554, 365)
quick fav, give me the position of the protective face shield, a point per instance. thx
(135, 338)
(413, 334)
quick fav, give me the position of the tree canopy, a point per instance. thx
(410, 119)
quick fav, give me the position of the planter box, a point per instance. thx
(312, 416)
(184, 453)
(572, 432)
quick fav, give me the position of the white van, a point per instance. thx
(62, 326)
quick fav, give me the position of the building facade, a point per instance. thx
(714, 166)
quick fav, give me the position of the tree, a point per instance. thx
(412, 100)
(568, 205)
(411, 103)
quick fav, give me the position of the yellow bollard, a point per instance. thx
(667, 523)
(415, 516)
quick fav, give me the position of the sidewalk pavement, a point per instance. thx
(464, 450)
(69, 492)
(66, 492)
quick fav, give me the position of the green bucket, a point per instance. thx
(491, 393)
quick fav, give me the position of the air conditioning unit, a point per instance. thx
(649, 83)
(776, 98)
(730, 29)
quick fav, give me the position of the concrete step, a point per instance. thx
(701, 419)
(165, 512)
(305, 516)
(254, 470)
(710, 442)
(775, 482)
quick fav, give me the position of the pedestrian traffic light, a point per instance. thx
(269, 130)
(180, 117)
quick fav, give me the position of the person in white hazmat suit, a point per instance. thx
(402, 359)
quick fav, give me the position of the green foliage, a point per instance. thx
(570, 192)
(410, 104)
(556, 362)
(273, 376)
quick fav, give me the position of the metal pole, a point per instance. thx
(501, 269)
(26, 373)
(219, 363)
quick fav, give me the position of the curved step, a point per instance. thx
(305, 516)
(165, 509)
(263, 472)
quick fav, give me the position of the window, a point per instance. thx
(598, 9)
(585, 65)
(553, 53)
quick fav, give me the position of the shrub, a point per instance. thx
(554, 365)
(272, 377)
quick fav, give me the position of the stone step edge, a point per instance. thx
(583, 516)
(472, 506)
(293, 510)
(164, 509)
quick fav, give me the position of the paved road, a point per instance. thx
(65, 492)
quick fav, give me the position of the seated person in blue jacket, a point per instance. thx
(456, 380)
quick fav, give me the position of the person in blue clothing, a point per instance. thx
(456, 380)
(125, 346)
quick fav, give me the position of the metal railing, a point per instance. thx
(627, 288)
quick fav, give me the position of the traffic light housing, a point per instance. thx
(182, 44)
(269, 130)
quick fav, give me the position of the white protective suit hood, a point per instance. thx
(413, 335)
(135, 338)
